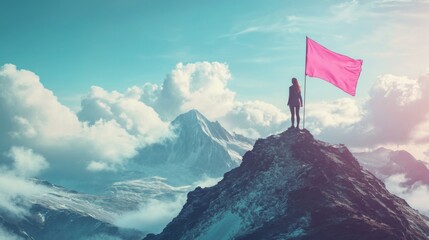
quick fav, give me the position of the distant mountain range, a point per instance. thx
(385, 163)
(292, 186)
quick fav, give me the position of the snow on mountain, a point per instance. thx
(63, 214)
(291, 186)
(385, 163)
(200, 148)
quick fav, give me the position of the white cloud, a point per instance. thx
(255, 119)
(345, 11)
(200, 85)
(338, 113)
(15, 193)
(421, 132)
(395, 113)
(398, 90)
(35, 119)
(98, 166)
(134, 116)
(153, 216)
(417, 195)
(29, 110)
(27, 163)
(6, 235)
(110, 142)
(118, 124)
(207, 182)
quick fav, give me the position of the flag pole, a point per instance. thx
(305, 88)
(305, 81)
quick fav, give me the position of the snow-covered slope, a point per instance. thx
(200, 148)
(291, 186)
(62, 214)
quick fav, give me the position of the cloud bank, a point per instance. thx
(14, 201)
(416, 195)
(108, 131)
(396, 112)
(152, 216)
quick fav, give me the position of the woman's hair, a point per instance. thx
(296, 84)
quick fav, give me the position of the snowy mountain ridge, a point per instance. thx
(385, 163)
(200, 148)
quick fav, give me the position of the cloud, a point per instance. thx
(207, 182)
(4, 234)
(416, 195)
(342, 112)
(27, 163)
(254, 119)
(15, 193)
(154, 215)
(30, 111)
(127, 110)
(15, 189)
(200, 85)
(394, 113)
(110, 129)
(35, 119)
(345, 11)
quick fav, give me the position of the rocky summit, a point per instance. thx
(292, 186)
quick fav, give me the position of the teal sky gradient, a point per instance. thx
(73, 45)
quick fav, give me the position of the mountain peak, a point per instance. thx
(292, 186)
(195, 122)
(191, 115)
(201, 147)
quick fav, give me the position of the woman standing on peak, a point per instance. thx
(295, 102)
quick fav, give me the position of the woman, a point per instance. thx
(295, 101)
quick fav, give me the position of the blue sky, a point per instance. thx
(73, 45)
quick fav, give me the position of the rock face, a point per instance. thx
(291, 186)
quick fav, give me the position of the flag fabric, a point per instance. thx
(342, 71)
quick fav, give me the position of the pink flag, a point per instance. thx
(335, 68)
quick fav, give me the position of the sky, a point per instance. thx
(73, 45)
(97, 75)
